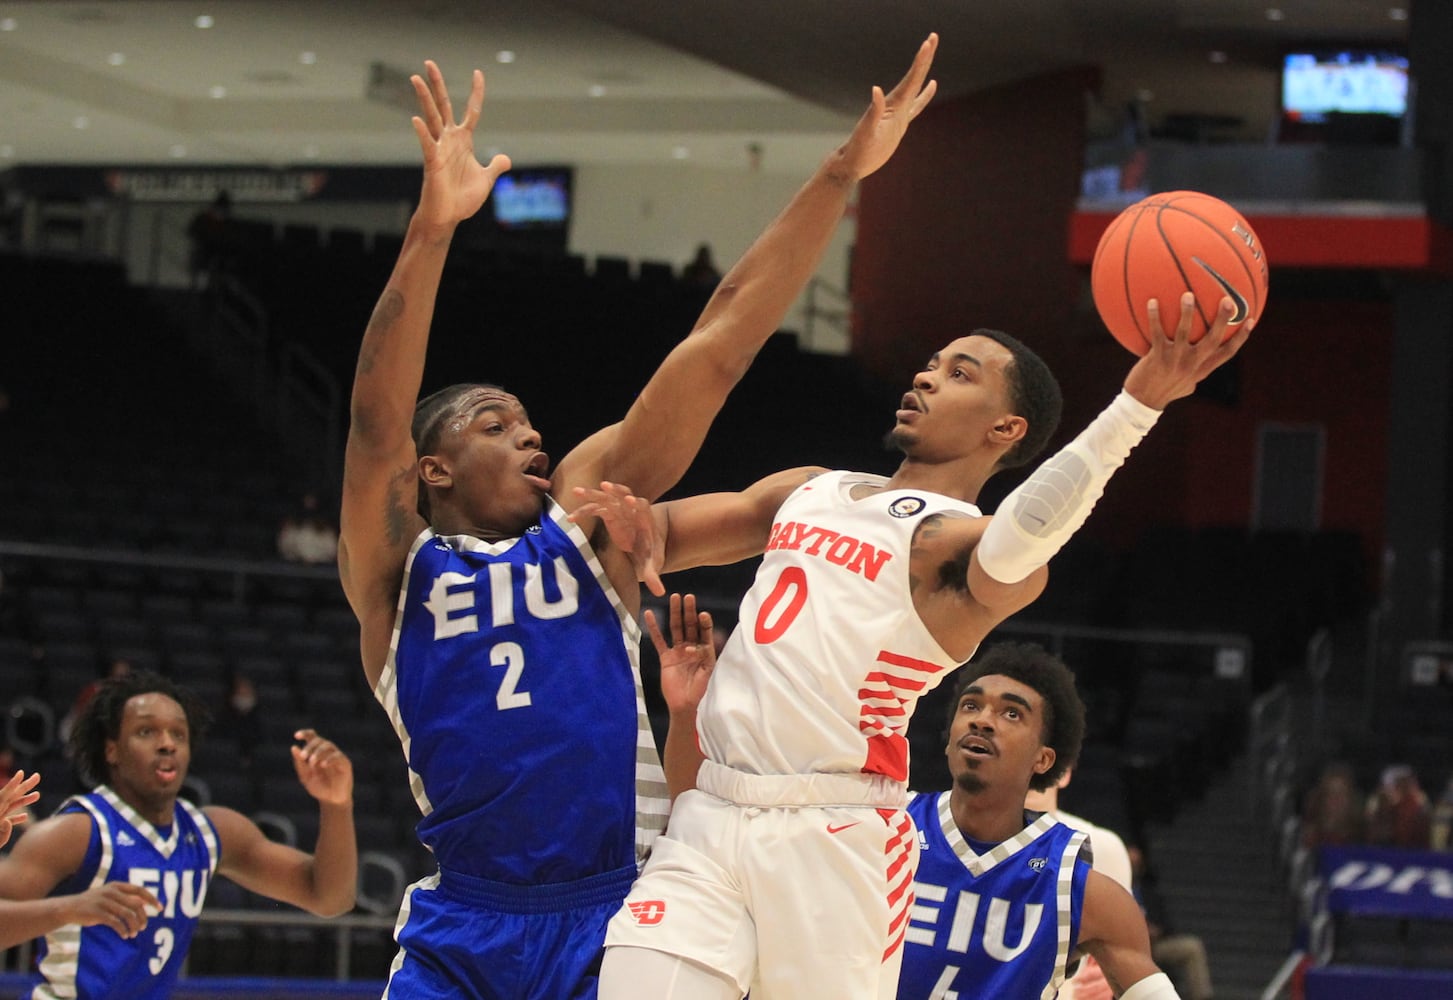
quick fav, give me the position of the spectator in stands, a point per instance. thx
(1397, 813)
(497, 626)
(701, 272)
(113, 668)
(1332, 814)
(213, 241)
(240, 720)
(1182, 956)
(1441, 838)
(114, 882)
(306, 535)
(16, 795)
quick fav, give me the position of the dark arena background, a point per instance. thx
(1257, 606)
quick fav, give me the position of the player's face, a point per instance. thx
(151, 753)
(496, 470)
(997, 734)
(959, 395)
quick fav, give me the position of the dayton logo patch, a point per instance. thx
(907, 506)
(648, 912)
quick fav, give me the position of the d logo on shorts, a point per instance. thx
(648, 912)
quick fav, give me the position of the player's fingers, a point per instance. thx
(1188, 317)
(444, 108)
(476, 102)
(912, 81)
(921, 101)
(675, 619)
(1152, 319)
(707, 630)
(653, 629)
(428, 111)
(688, 617)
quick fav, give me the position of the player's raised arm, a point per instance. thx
(324, 882)
(668, 421)
(1039, 516)
(379, 517)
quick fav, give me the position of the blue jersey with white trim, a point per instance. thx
(513, 684)
(176, 865)
(998, 924)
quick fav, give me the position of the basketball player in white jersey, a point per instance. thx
(788, 868)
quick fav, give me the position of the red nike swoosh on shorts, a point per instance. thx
(840, 828)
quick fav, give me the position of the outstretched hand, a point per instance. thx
(631, 526)
(456, 184)
(324, 770)
(15, 795)
(1174, 366)
(882, 126)
(689, 658)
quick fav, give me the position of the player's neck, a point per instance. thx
(990, 816)
(962, 478)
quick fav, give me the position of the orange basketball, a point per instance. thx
(1166, 245)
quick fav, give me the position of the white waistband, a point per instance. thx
(789, 790)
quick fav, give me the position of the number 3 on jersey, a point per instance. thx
(164, 941)
(510, 656)
(773, 618)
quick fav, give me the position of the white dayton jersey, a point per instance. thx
(829, 646)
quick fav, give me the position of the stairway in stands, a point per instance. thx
(1218, 875)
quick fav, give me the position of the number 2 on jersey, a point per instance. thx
(510, 656)
(792, 588)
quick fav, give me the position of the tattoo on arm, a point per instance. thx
(385, 314)
(953, 574)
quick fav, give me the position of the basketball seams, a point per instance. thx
(1130, 309)
(1237, 248)
(1175, 257)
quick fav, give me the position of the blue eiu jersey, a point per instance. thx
(175, 864)
(514, 685)
(1001, 924)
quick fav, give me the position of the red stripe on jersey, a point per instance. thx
(887, 755)
(883, 708)
(897, 851)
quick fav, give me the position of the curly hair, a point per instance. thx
(1032, 665)
(1035, 395)
(100, 720)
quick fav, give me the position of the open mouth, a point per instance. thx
(538, 470)
(976, 746)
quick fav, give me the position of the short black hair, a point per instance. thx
(100, 720)
(428, 424)
(429, 413)
(1032, 665)
(1034, 393)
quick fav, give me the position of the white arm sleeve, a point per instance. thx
(1156, 987)
(1040, 515)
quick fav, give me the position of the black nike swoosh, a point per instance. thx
(1242, 309)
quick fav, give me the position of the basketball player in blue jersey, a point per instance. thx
(114, 882)
(497, 630)
(1005, 898)
(870, 591)
(15, 795)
